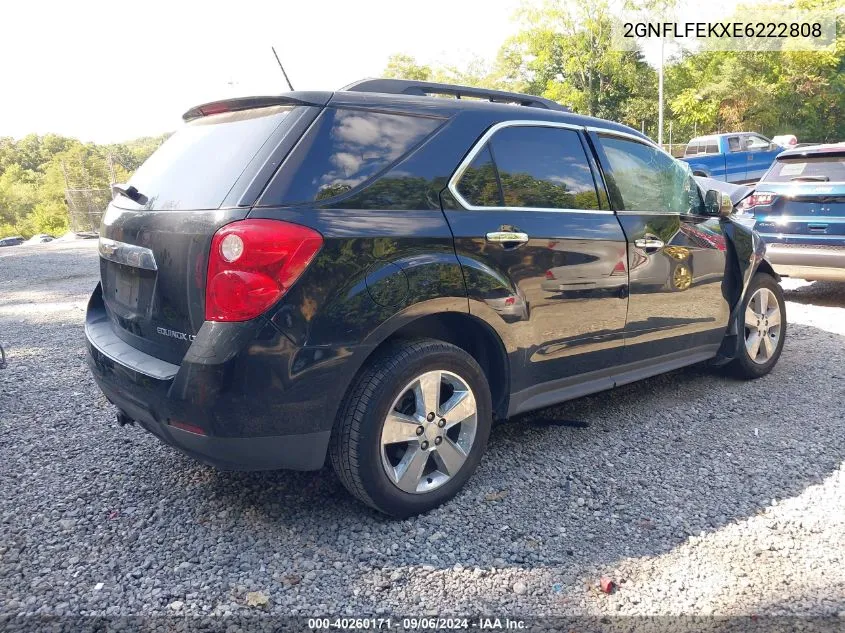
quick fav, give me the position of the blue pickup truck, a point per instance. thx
(737, 157)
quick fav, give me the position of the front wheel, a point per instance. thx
(413, 428)
(762, 328)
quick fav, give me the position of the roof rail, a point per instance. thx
(426, 88)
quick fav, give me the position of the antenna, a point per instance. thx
(272, 48)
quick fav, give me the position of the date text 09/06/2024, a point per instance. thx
(417, 624)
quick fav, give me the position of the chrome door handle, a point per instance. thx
(507, 237)
(649, 243)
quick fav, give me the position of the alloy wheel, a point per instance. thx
(762, 326)
(429, 431)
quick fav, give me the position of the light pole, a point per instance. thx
(660, 97)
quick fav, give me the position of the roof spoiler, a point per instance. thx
(428, 88)
(248, 103)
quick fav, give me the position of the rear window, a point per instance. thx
(344, 149)
(811, 169)
(197, 166)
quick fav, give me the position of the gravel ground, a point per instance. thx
(695, 493)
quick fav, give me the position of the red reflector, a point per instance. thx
(761, 198)
(190, 428)
(619, 269)
(510, 301)
(272, 257)
(550, 274)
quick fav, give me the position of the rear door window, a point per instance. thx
(531, 167)
(810, 169)
(197, 166)
(543, 167)
(344, 149)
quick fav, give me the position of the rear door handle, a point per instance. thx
(507, 237)
(649, 243)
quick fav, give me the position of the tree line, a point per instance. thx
(563, 51)
(35, 172)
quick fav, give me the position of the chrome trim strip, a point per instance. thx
(465, 163)
(127, 254)
(796, 238)
(631, 137)
(628, 212)
(810, 219)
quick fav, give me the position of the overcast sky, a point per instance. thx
(112, 71)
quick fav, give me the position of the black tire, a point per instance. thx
(355, 447)
(743, 365)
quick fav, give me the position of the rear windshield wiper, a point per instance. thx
(129, 191)
(812, 178)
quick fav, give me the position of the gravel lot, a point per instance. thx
(695, 493)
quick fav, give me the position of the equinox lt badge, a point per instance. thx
(181, 336)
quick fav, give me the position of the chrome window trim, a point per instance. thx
(629, 136)
(127, 254)
(629, 212)
(452, 186)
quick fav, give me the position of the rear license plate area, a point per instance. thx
(130, 288)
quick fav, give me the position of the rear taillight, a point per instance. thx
(759, 198)
(252, 264)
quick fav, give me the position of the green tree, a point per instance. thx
(35, 169)
(401, 66)
(564, 52)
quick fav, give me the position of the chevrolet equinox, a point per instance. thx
(377, 274)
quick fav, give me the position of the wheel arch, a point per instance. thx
(467, 332)
(766, 267)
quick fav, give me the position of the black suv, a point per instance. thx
(378, 274)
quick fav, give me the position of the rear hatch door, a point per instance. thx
(154, 242)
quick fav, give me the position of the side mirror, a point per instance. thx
(717, 203)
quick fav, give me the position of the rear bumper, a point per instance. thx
(299, 451)
(204, 410)
(811, 262)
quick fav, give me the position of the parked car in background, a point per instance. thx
(798, 208)
(15, 240)
(736, 157)
(785, 140)
(41, 238)
(362, 275)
